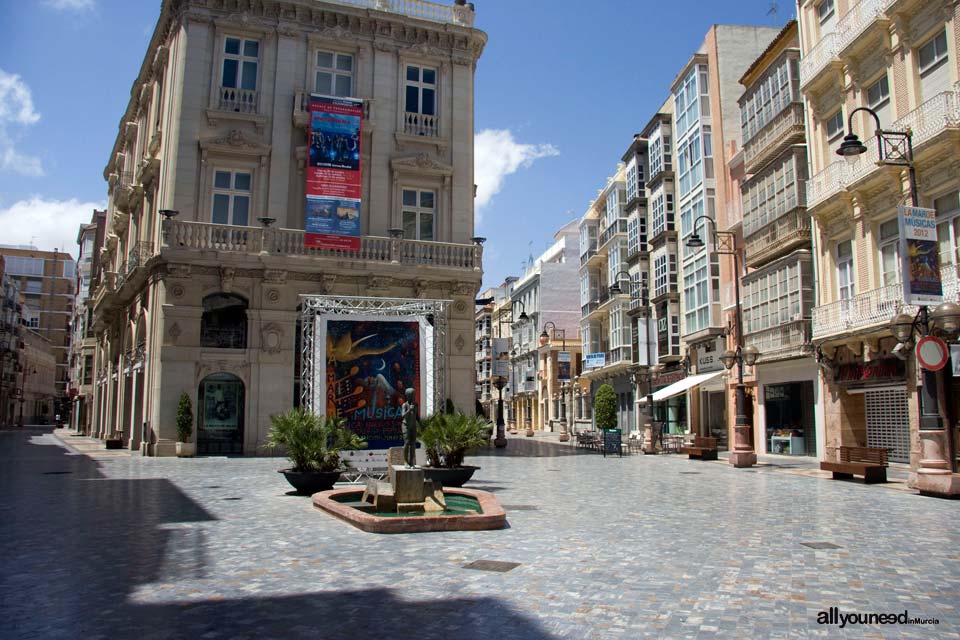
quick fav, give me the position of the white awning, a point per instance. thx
(682, 386)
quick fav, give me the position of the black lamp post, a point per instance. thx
(895, 148)
(500, 441)
(725, 243)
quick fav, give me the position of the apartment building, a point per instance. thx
(39, 396)
(899, 59)
(544, 299)
(83, 340)
(777, 293)
(11, 344)
(47, 280)
(493, 343)
(218, 280)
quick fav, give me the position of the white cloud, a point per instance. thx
(48, 224)
(16, 108)
(496, 155)
(70, 5)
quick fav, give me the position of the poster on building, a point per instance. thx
(369, 363)
(333, 174)
(594, 360)
(920, 256)
(563, 365)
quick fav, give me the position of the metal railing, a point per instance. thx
(778, 237)
(856, 20)
(872, 308)
(224, 338)
(817, 58)
(787, 340)
(618, 227)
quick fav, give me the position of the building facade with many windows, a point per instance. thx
(898, 58)
(205, 259)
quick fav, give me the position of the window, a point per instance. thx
(334, 74)
(769, 195)
(19, 266)
(834, 125)
(825, 11)
(240, 60)
(878, 93)
(664, 274)
(419, 211)
(33, 287)
(888, 242)
(948, 228)
(87, 370)
(231, 197)
(691, 166)
(768, 97)
(845, 269)
(223, 324)
(421, 90)
(932, 53)
(632, 182)
(69, 269)
(696, 294)
(686, 101)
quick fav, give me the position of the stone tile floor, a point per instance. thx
(121, 546)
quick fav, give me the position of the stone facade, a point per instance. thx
(221, 101)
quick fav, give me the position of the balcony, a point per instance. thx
(788, 340)
(818, 58)
(205, 236)
(619, 227)
(872, 309)
(429, 11)
(418, 124)
(238, 100)
(931, 118)
(778, 237)
(858, 19)
(785, 129)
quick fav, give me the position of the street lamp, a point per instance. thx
(896, 148)
(725, 244)
(544, 338)
(500, 441)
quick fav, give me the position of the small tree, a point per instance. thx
(605, 407)
(184, 418)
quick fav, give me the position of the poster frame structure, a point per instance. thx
(919, 254)
(313, 364)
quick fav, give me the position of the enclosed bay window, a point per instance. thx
(690, 160)
(231, 197)
(333, 73)
(888, 242)
(419, 214)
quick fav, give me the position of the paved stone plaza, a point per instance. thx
(109, 545)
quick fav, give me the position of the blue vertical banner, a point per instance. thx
(333, 174)
(920, 256)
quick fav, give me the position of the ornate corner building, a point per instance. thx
(204, 260)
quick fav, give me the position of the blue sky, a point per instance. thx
(560, 89)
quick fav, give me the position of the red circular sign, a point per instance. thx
(932, 353)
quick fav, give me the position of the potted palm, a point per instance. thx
(313, 444)
(185, 448)
(446, 438)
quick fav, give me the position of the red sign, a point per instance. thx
(932, 353)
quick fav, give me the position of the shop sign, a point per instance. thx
(865, 373)
(668, 378)
(594, 360)
(709, 360)
(563, 365)
(920, 255)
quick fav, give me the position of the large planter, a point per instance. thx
(186, 449)
(310, 482)
(455, 477)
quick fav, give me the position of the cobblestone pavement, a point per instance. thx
(129, 547)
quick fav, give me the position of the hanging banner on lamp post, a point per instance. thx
(920, 256)
(333, 177)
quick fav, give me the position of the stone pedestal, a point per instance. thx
(649, 447)
(408, 484)
(742, 454)
(743, 458)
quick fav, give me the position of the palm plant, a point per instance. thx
(312, 442)
(447, 437)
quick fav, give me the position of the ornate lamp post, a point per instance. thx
(895, 148)
(544, 338)
(725, 243)
(500, 441)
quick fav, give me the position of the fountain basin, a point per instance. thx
(468, 510)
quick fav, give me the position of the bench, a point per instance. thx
(868, 462)
(703, 447)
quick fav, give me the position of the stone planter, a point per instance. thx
(186, 449)
(455, 477)
(310, 482)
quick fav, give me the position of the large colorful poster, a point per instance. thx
(333, 177)
(920, 254)
(370, 362)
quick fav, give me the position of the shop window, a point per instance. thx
(224, 322)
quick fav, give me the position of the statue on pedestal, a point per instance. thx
(409, 413)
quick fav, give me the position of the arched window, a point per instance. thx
(224, 322)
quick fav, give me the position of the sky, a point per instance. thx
(561, 88)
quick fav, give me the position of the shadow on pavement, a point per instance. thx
(77, 545)
(533, 448)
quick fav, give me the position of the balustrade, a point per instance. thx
(817, 58)
(238, 100)
(856, 20)
(421, 9)
(418, 124)
(872, 308)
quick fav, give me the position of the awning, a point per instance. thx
(682, 386)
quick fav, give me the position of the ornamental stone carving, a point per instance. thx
(273, 295)
(271, 338)
(173, 333)
(459, 343)
(227, 275)
(179, 271)
(275, 276)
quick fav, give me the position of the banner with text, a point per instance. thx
(333, 177)
(920, 256)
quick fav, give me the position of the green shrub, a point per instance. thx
(312, 442)
(605, 407)
(184, 418)
(447, 437)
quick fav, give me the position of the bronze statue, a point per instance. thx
(409, 413)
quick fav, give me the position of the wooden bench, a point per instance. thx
(703, 447)
(861, 461)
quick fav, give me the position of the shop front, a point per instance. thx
(880, 387)
(788, 406)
